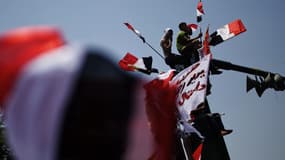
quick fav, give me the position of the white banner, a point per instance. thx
(191, 87)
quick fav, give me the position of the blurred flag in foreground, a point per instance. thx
(57, 96)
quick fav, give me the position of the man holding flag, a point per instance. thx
(187, 46)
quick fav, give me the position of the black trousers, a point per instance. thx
(178, 62)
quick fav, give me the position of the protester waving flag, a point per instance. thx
(228, 31)
(135, 31)
(200, 11)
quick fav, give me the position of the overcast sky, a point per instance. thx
(257, 122)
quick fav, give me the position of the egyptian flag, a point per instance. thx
(193, 27)
(206, 47)
(161, 112)
(228, 31)
(62, 101)
(130, 27)
(200, 11)
(131, 63)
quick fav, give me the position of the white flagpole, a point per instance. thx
(184, 149)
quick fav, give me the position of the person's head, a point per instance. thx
(168, 30)
(183, 27)
(168, 33)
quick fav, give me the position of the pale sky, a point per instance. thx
(257, 122)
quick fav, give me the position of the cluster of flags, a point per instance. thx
(159, 92)
(171, 95)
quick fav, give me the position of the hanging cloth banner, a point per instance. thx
(191, 87)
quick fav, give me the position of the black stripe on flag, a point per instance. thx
(199, 19)
(215, 39)
(98, 111)
(147, 62)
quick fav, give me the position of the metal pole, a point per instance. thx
(229, 66)
(154, 50)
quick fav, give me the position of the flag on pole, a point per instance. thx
(200, 11)
(228, 31)
(206, 47)
(193, 27)
(131, 63)
(130, 27)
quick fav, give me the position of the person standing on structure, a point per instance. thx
(186, 46)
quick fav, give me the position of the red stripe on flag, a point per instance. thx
(206, 46)
(198, 152)
(130, 26)
(20, 46)
(128, 61)
(200, 8)
(236, 27)
(161, 112)
(194, 27)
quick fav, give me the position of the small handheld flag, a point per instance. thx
(131, 63)
(206, 47)
(135, 31)
(130, 27)
(200, 11)
(193, 27)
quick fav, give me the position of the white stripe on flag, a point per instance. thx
(199, 13)
(33, 119)
(140, 64)
(224, 32)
